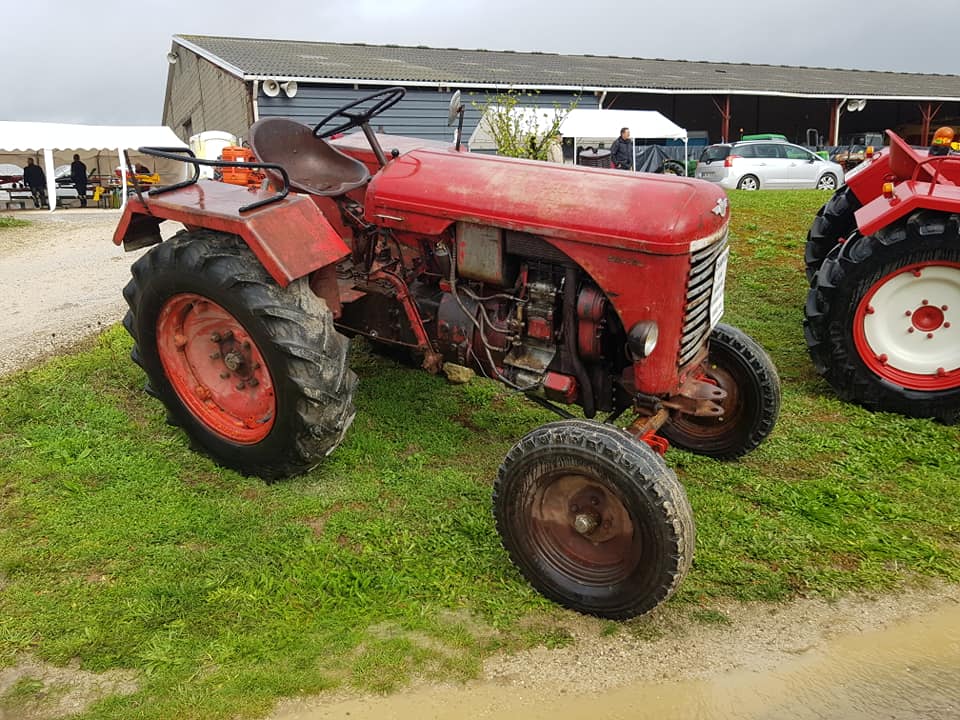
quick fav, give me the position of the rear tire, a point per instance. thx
(737, 364)
(827, 181)
(834, 223)
(594, 519)
(254, 373)
(748, 182)
(883, 318)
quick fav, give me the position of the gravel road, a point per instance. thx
(62, 279)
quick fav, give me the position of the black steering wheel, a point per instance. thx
(384, 99)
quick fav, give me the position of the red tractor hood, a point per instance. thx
(426, 189)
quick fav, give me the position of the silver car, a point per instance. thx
(767, 164)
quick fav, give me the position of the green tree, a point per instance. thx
(519, 130)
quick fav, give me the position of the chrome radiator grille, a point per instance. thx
(696, 318)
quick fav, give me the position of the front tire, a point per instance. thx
(882, 318)
(254, 373)
(737, 364)
(594, 519)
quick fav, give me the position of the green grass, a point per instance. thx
(121, 547)
(8, 223)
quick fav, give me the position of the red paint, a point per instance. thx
(291, 238)
(941, 380)
(197, 339)
(657, 442)
(560, 388)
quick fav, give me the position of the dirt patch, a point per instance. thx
(699, 647)
(62, 278)
(35, 690)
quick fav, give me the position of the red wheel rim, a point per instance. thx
(216, 368)
(906, 328)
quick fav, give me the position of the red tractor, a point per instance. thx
(575, 286)
(883, 259)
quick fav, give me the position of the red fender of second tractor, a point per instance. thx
(913, 173)
(291, 238)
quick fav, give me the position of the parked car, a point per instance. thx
(752, 165)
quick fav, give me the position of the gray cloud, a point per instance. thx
(104, 63)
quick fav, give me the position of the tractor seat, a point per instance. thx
(314, 166)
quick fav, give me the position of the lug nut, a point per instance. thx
(215, 337)
(256, 366)
(585, 524)
(946, 324)
(574, 508)
(870, 310)
(908, 313)
(941, 372)
(924, 302)
(929, 336)
(253, 382)
(215, 356)
(916, 273)
(228, 335)
(909, 329)
(944, 308)
(246, 344)
(594, 500)
(882, 359)
(224, 375)
(241, 385)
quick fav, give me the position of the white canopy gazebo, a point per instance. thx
(57, 143)
(647, 124)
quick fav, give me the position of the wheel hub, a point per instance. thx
(215, 368)
(905, 327)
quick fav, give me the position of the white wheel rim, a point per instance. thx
(912, 320)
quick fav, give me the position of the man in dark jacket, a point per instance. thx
(621, 152)
(35, 179)
(78, 173)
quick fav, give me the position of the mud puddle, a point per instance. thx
(908, 669)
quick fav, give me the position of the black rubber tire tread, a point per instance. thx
(847, 274)
(293, 328)
(672, 167)
(733, 349)
(646, 486)
(835, 221)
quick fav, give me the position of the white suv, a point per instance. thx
(768, 164)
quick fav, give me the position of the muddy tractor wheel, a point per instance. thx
(883, 318)
(254, 373)
(594, 519)
(737, 364)
(834, 223)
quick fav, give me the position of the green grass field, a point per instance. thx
(124, 549)
(9, 223)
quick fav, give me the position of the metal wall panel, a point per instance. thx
(422, 113)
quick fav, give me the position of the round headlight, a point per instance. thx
(642, 339)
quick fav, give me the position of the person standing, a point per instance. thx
(78, 173)
(621, 152)
(36, 180)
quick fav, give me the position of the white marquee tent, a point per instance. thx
(647, 124)
(97, 145)
(587, 123)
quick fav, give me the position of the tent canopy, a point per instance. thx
(99, 146)
(581, 123)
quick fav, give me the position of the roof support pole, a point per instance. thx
(51, 170)
(724, 110)
(928, 113)
(834, 137)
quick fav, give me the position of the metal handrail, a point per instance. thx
(172, 154)
(939, 160)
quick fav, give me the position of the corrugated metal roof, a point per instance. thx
(333, 62)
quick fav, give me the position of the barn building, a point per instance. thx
(224, 83)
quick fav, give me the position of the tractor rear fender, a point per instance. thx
(291, 237)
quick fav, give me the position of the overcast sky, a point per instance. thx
(104, 62)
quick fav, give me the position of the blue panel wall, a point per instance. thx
(422, 113)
